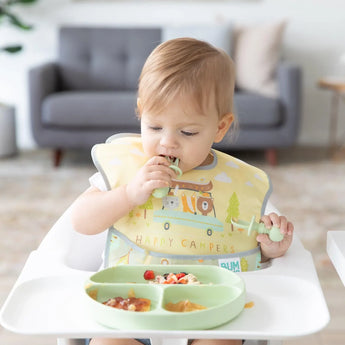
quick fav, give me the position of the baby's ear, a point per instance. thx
(223, 126)
(139, 106)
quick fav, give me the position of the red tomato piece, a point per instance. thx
(149, 275)
(180, 275)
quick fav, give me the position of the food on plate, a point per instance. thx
(249, 305)
(149, 275)
(171, 278)
(184, 306)
(130, 303)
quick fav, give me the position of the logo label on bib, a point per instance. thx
(231, 264)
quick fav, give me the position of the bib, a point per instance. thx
(192, 224)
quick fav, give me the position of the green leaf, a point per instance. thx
(7, 15)
(12, 49)
(14, 20)
(24, 1)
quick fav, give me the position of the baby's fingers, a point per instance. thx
(285, 227)
(158, 160)
(269, 220)
(290, 228)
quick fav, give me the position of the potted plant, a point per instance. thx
(8, 144)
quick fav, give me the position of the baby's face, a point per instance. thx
(180, 132)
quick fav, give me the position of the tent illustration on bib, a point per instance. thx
(189, 204)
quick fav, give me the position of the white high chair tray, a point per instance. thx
(287, 302)
(336, 251)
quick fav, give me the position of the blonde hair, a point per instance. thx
(187, 68)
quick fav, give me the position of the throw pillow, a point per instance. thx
(256, 54)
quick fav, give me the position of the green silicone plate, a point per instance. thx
(222, 292)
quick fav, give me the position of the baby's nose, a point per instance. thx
(168, 141)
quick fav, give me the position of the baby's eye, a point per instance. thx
(189, 134)
(155, 128)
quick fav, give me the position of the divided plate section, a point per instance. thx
(206, 274)
(103, 292)
(221, 292)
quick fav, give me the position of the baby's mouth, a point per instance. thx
(174, 164)
(171, 159)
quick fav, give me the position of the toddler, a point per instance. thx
(166, 196)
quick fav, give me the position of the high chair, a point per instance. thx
(336, 251)
(47, 298)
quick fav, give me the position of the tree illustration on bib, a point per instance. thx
(147, 206)
(233, 209)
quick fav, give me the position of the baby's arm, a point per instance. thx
(95, 211)
(270, 249)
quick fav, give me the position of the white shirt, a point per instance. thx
(97, 181)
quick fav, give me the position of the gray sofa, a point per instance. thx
(89, 94)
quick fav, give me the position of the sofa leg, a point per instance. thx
(271, 157)
(57, 155)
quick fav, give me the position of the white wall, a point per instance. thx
(314, 39)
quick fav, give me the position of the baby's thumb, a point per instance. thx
(264, 239)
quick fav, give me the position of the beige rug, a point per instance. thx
(307, 187)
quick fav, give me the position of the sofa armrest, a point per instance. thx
(43, 80)
(290, 94)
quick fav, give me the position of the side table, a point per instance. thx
(337, 86)
(8, 144)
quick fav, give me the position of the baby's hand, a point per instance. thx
(271, 249)
(154, 174)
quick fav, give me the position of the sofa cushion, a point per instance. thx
(254, 110)
(93, 58)
(105, 109)
(218, 35)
